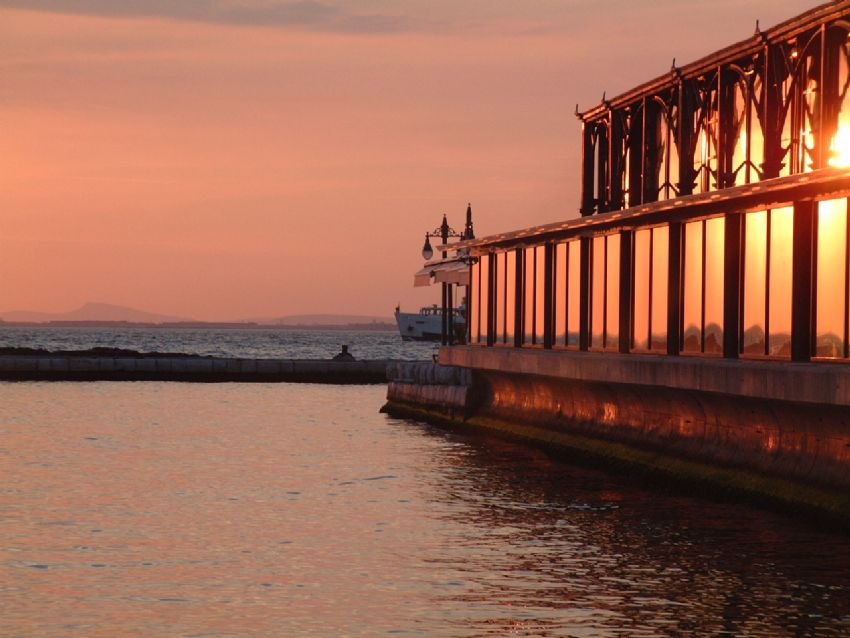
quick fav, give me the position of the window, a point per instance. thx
(475, 302)
(510, 299)
(832, 254)
(499, 295)
(560, 285)
(605, 292)
(649, 326)
(533, 295)
(767, 283)
(567, 294)
(483, 296)
(703, 287)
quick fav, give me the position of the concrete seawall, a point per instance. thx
(788, 453)
(190, 369)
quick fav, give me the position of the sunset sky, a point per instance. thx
(225, 159)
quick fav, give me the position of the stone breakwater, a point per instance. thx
(127, 365)
(788, 454)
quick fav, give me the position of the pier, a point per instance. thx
(694, 320)
(136, 366)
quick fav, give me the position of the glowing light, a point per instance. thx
(839, 148)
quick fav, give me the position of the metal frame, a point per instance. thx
(748, 128)
(763, 108)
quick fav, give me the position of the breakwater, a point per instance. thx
(107, 364)
(746, 439)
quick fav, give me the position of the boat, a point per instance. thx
(427, 324)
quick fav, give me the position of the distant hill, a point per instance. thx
(321, 320)
(91, 312)
(104, 312)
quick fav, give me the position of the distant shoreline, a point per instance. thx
(376, 326)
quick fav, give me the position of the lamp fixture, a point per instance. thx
(427, 251)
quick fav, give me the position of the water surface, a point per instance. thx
(155, 509)
(253, 343)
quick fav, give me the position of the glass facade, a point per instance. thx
(509, 289)
(725, 269)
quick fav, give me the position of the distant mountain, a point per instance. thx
(321, 320)
(91, 312)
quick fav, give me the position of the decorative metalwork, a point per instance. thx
(774, 105)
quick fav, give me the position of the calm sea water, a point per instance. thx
(155, 509)
(255, 343)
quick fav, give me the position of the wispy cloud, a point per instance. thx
(305, 14)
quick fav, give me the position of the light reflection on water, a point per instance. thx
(149, 509)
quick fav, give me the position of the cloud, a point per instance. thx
(304, 14)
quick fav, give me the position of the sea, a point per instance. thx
(148, 509)
(249, 343)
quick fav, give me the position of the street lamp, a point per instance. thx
(444, 231)
(427, 251)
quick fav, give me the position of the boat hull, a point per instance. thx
(419, 327)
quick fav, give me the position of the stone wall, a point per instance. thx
(792, 452)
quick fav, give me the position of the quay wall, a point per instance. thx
(748, 439)
(191, 369)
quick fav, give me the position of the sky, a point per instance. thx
(231, 159)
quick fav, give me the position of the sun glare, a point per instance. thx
(839, 150)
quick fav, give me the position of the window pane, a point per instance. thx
(485, 291)
(714, 285)
(560, 327)
(528, 296)
(755, 282)
(781, 234)
(693, 287)
(640, 331)
(660, 246)
(612, 310)
(510, 301)
(832, 244)
(540, 294)
(474, 303)
(499, 259)
(597, 316)
(574, 293)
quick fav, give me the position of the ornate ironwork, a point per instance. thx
(774, 105)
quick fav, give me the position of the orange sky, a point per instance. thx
(256, 158)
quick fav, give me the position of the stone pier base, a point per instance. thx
(784, 453)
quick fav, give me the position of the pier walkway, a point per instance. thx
(117, 365)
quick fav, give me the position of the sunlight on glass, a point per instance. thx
(839, 149)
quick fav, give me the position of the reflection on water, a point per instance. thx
(148, 509)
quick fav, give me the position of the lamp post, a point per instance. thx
(444, 231)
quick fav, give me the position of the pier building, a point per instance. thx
(697, 309)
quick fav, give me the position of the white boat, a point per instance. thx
(427, 324)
